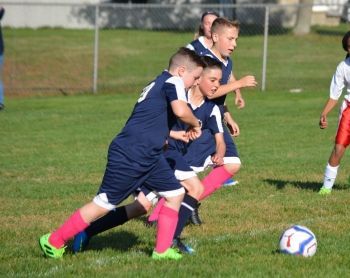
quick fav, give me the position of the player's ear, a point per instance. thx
(214, 37)
(181, 70)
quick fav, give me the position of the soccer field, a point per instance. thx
(52, 157)
(54, 153)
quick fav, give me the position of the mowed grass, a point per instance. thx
(53, 154)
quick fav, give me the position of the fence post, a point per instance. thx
(95, 71)
(266, 34)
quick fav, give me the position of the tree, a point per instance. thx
(303, 24)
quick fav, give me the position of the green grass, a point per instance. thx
(53, 154)
(128, 59)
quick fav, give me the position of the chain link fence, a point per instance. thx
(83, 47)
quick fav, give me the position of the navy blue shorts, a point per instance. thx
(199, 152)
(123, 176)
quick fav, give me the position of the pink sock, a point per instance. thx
(155, 213)
(214, 180)
(70, 228)
(167, 222)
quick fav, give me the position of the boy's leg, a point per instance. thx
(342, 140)
(331, 170)
(53, 244)
(114, 218)
(167, 221)
(214, 180)
(163, 181)
(194, 189)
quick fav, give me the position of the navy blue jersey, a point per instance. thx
(227, 68)
(198, 46)
(209, 113)
(148, 126)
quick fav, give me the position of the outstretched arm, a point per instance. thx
(233, 85)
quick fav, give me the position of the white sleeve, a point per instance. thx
(338, 82)
(190, 46)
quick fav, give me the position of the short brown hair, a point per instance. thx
(223, 22)
(185, 56)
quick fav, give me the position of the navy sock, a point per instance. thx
(112, 219)
(188, 205)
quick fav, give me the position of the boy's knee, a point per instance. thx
(232, 168)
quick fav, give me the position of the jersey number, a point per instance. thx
(145, 92)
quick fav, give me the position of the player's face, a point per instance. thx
(226, 41)
(209, 81)
(190, 77)
(206, 24)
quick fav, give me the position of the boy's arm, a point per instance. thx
(233, 85)
(184, 113)
(180, 135)
(330, 104)
(239, 101)
(218, 157)
(230, 123)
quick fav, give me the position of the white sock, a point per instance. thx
(330, 175)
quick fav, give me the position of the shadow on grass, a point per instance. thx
(280, 184)
(118, 240)
(314, 186)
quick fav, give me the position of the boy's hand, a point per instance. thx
(194, 132)
(217, 159)
(239, 101)
(323, 122)
(248, 81)
(180, 135)
(232, 127)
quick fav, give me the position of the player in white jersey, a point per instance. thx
(340, 81)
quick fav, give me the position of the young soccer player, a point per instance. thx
(205, 41)
(340, 80)
(210, 116)
(136, 157)
(201, 46)
(225, 34)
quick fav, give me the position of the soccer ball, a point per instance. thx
(298, 240)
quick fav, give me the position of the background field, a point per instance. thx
(53, 153)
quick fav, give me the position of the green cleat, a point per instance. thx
(48, 249)
(325, 191)
(169, 254)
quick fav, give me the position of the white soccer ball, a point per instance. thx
(298, 240)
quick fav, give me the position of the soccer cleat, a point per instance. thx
(194, 218)
(169, 254)
(80, 242)
(48, 249)
(230, 182)
(183, 248)
(325, 191)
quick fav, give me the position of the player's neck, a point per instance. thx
(208, 42)
(195, 97)
(216, 52)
